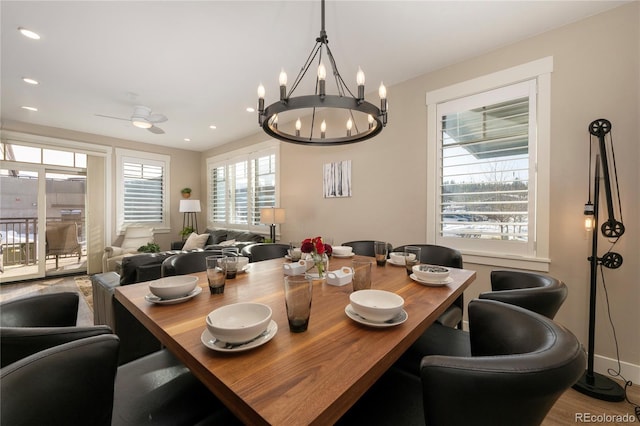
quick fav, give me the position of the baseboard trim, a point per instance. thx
(629, 371)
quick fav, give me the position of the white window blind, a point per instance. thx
(240, 184)
(143, 193)
(486, 146)
(142, 182)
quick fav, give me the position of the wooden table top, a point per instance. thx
(304, 378)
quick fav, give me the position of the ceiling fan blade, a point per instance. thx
(156, 130)
(157, 118)
(110, 116)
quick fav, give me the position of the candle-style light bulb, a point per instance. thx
(349, 126)
(360, 81)
(322, 75)
(322, 71)
(283, 84)
(274, 122)
(382, 91)
(298, 127)
(323, 129)
(370, 120)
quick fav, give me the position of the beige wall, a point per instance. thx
(596, 75)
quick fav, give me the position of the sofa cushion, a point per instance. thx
(195, 241)
(216, 236)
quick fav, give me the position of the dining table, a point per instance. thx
(304, 378)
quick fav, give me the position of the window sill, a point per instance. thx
(516, 262)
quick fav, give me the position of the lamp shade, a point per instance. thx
(272, 215)
(189, 206)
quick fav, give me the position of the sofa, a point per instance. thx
(148, 266)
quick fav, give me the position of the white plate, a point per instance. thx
(152, 298)
(217, 345)
(343, 256)
(449, 280)
(395, 263)
(399, 319)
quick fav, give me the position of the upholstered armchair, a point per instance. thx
(134, 238)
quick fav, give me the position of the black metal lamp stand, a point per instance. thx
(591, 383)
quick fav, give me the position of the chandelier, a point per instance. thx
(362, 119)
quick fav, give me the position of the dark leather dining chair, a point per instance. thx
(509, 369)
(449, 257)
(538, 293)
(79, 382)
(264, 251)
(365, 247)
(185, 263)
(42, 310)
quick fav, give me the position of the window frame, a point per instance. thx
(145, 158)
(537, 257)
(230, 158)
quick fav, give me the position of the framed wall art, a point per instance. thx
(337, 179)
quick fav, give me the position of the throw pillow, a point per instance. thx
(195, 241)
(227, 243)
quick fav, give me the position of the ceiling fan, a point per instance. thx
(143, 119)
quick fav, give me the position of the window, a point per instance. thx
(488, 147)
(142, 182)
(240, 183)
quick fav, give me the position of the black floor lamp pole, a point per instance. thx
(591, 383)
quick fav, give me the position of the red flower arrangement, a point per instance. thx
(316, 248)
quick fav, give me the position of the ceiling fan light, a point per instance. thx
(141, 124)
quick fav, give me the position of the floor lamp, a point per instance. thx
(189, 208)
(271, 216)
(591, 383)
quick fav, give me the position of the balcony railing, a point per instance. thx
(19, 239)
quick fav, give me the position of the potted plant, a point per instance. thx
(186, 192)
(186, 231)
(149, 248)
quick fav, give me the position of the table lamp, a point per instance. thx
(271, 216)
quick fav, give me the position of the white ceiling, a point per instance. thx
(200, 62)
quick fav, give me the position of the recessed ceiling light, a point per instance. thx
(30, 80)
(28, 108)
(251, 109)
(187, 140)
(28, 33)
(213, 127)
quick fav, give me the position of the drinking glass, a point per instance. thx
(361, 274)
(380, 249)
(298, 290)
(411, 257)
(216, 273)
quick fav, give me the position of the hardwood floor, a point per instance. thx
(572, 407)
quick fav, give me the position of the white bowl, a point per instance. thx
(398, 257)
(173, 287)
(432, 273)
(242, 262)
(238, 322)
(376, 305)
(342, 250)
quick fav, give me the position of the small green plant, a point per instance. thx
(149, 248)
(185, 191)
(186, 231)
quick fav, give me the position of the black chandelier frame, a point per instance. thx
(267, 117)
